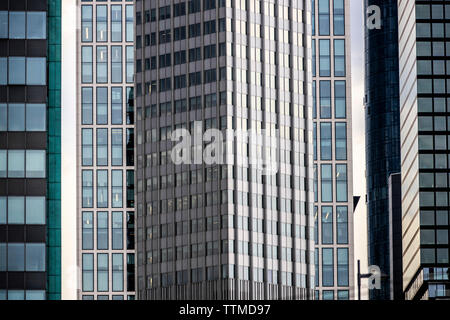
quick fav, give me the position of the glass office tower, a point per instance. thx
(382, 133)
(30, 147)
(332, 134)
(424, 47)
(224, 231)
(105, 122)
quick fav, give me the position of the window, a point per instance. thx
(16, 70)
(102, 23)
(36, 25)
(339, 17)
(16, 117)
(30, 71)
(87, 188)
(341, 183)
(130, 64)
(102, 147)
(102, 64)
(325, 141)
(86, 105)
(129, 28)
(327, 267)
(116, 147)
(3, 264)
(102, 272)
(327, 225)
(339, 58)
(3, 164)
(16, 210)
(324, 17)
(325, 99)
(17, 25)
(116, 105)
(342, 267)
(102, 230)
(324, 58)
(130, 105)
(342, 224)
(326, 183)
(86, 23)
(16, 163)
(116, 64)
(35, 257)
(86, 65)
(117, 271)
(102, 188)
(102, 105)
(340, 99)
(86, 147)
(88, 230)
(3, 24)
(341, 141)
(116, 23)
(3, 80)
(36, 115)
(117, 189)
(117, 230)
(16, 257)
(130, 147)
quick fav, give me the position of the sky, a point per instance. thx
(358, 122)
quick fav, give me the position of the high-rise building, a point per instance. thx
(225, 231)
(105, 154)
(424, 86)
(30, 175)
(332, 134)
(382, 132)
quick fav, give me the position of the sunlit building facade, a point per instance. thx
(105, 150)
(332, 136)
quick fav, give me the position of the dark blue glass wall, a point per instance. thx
(382, 132)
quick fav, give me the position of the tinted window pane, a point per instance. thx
(36, 25)
(16, 70)
(35, 210)
(16, 257)
(3, 24)
(36, 117)
(16, 209)
(2, 211)
(16, 25)
(35, 163)
(35, 256)
(16, 164)
(3, 157)
(3, 74)
(36, 71)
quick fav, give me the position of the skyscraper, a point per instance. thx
(105, 155)
(424, 86)
(332, 134)
(30, 80)
(382, 133)
(224, 231)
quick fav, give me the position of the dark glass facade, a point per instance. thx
(30, 231)
(425, 149)
(382, 132)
